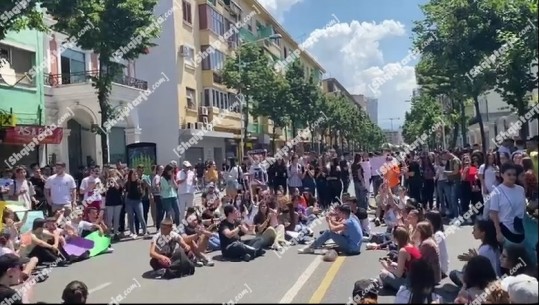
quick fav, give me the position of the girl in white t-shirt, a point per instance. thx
(21, 190)
(435, 219)
(488, 173)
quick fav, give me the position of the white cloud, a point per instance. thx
(278, 7)
(350, 52)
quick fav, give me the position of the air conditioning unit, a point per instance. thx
(203, 110)
(184, 51)
(234, 9)
(191, 126)
(209, 127)
(200, 125)
(205, 120)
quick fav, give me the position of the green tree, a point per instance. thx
(515, 78)
(461, 34)
(250, 72)
(126, 25)
(16, 15)
(425, 113)
(303, 97)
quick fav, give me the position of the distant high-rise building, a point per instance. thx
(372, 109)
(393, 136)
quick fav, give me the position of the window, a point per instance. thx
(188, 54)
(215, 99)
(207, 98)
(216, 22)
(21, 61)
(191, 98)
(214, 61)
(285, 52)
(187, 12)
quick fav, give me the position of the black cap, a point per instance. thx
(8, 261)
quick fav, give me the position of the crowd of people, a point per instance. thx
(264, 204)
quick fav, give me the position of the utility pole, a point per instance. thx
(392, 119)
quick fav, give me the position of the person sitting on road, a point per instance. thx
(420, 288)
(267, 226)
(365, 292)
(230, 231)
(346, 233)
(168, 252)
(361, 214)
(211, 200)
(11, 267)
(428, 247)
(76, 292)
(4, 249)
(13, 227)
(394, 273)
(435, 219)
(196, 236)
(35, 245)
(478, 275)
(211, 224)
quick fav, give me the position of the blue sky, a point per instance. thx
(358, 41)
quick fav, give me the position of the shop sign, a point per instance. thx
(7, 120)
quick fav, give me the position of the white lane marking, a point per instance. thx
(95, 289)
(302, 280)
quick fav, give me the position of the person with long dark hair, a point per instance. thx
(133, 203)
(488, 177)
(280, 175)
(76, 292)
(335, 185)
(429, 173)
(507, 207)
(478, 275)
(322, 185)
(169, 197)
(359, 183)
(530, 179)
(420, 287)
(435, 219)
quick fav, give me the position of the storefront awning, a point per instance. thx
(24, 134)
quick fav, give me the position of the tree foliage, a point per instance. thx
(122, 29)
(16, 15)
(425, 113)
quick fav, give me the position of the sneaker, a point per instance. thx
(116, 237)
(307, 250)
(109, 250)
(160, 272)
(63, 263)
(133, 236)
(147, 236)
(198, 263)
(209, 263)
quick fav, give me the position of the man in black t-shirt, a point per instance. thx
(10, 273)
(230, 232)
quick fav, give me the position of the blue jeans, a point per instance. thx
(171, 208)
(133, 208)
(361, 195)
(339, 239)
(214, 243)
(453, 198)
(443, 190)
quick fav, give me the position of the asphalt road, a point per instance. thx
(286, 278)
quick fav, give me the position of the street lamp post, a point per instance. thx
(244, 102)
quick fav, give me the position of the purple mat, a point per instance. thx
(81, 242)
(74, 250)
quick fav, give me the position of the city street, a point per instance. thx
(286, 278)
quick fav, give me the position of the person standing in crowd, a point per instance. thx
(211, 175)
(258, 176)
(442, 187)
(133, 204)
(308, 181)
(452, 170)
(61, 190)
(487, 174)
(530, 179)
(378, 171)
(146, 193)
(358, 177)
(169, 195)
(156, 191)
(367, 171)
(295, 172)
(5, 183)
(233, 179)
(91, 189)
(114, 203)
(281, 176)
(186, 180)
(322, 186)
(345, 172)
(21, 189)
(38, 181)
(428, 173)
(391, 173)
(414, 179)
(469, 188)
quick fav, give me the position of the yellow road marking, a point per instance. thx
(319, 294)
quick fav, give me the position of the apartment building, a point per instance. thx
(21, 100)
(372, 109)
(71, 102)
(194, 119)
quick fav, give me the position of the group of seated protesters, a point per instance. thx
(243, 229)
(417, 260)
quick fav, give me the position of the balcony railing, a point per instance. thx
(22, 80)
(55, 80)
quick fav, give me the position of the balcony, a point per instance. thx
(67, 89)
(85, 77)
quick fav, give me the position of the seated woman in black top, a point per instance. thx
(230, 232)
